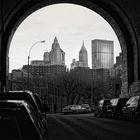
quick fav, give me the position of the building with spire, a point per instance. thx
(80, 68)
(53, 62)
(83, 59)
(56, 55)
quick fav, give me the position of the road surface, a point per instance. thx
(88, 127)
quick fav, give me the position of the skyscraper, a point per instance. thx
(53, 62)
(56, 55)
(102, 54)
(83, 59)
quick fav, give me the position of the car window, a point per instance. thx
(111, 101)
(85, 105)
(76, 106)
(122, 101)
(133, 101)
(114, 101)
(9, 129)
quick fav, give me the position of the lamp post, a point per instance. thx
(43, 41)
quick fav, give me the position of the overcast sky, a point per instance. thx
(71, 24)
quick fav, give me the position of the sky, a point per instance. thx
(71, 24)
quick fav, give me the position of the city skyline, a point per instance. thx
(70, 29)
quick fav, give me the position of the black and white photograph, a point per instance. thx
(69, 70)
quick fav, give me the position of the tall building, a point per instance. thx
(55, 57)
(101, 79)
(84, 74)
(83, 59)
(102, 54)
(53, 62)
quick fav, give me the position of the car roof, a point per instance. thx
(23, 95)
(12, 104)
(19, 95)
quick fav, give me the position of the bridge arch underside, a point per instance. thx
(111, 11)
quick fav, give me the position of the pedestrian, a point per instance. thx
(55, 108)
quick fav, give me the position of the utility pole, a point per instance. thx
(28, 79)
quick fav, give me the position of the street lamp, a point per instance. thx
(43, 41)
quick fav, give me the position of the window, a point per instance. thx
(133, 101)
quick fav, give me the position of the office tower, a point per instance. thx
(56, 55)
(102, 54)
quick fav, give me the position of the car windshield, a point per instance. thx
(76, 106)
(114, 101)
(133, 100)
(85, 105)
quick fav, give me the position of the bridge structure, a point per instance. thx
(123, 16)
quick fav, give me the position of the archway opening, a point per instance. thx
(124, 31)
(81, 47)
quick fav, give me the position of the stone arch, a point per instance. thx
(109, 10)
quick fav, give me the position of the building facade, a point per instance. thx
(44, 70)
(116, 77)
(101, 80)
(17, 79)
(102, 54)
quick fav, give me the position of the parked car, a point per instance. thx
(131, 109)
(29, 97)
(87, 107)
(19, 122)
(37, 101)
(114, 109)
(22, 95)
(100, 110)
(74, 109)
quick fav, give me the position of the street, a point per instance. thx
(88, 127)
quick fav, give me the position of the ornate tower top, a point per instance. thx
(55, 44)
(83, 49)
(55, 40)
(83, 57)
